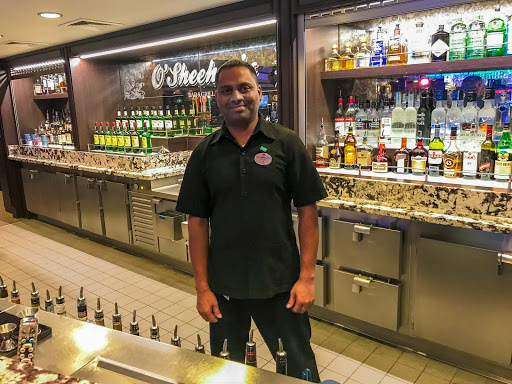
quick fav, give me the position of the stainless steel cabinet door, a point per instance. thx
(49, 195)
(31, 190)
(460, 300)
(115, 210)
(68, 199)
(89, 198)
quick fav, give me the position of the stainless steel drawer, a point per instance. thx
(174, 249)
(320, 280)
(367, 248)
(321, 237)
(168, 225)
(373, 301)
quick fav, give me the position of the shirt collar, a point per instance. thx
(263, 126)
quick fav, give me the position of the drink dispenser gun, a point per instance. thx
(175, 339)
(99, 317)
(134, 325)
(281, 359)
(154, 331)
(15, 294)
(199, 347)
(34, 297)
(224, 354)
(60, 303)
(250, 350)
(4, 293)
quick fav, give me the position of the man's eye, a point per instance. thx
(245, 88)
(225, 91)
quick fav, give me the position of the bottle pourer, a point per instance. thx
(224, 354)
(199, 347)
(81, 306)
(3, 289)
(15, 294)
(175, 339)
(134, 325)
(281, 359)
(154, 331)
(99, 317)
(60, 303)
(250, 350)
(34, 297)
(116, 319)
(48, 303)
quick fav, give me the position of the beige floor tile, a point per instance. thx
(367, 375)
(366, 344)
(352, 381)
(491, 381)
(174, 310)
(198, 322)
(205, 337)
(146, 312)
(317, 339)
(334, 345)
(465, 377)
(392, 380)
(324, 328)
(270, 366)
(441, 370)
(344, 365)
(379, 362)
(356, 353)
(414, 360)
(324, 356)
(186, 330)
(404, 372)
(328, 374)
(187, 315)
(426, 378)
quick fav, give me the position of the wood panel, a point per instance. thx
(97, 95)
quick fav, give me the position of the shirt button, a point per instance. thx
(242, 153)
(244, 171)
(244, 194)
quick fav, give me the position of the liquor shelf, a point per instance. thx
(485, 64)
(51, 96)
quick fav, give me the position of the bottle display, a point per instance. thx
(362, 57)
(435, 153)
(440, 47)
(397, 48)
(50, 84)
(401, 158)
(347, 59)
(452, 161)
(503, 163)
(349, 150)
(495, 35)
(458, 41)
(381, 161)
(379, 54)
(419, 47)
(487, 156)
(476, 39)
(322, 149)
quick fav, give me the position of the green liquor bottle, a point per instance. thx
(139, 119)
(146, 118)
(102, 137)
(96, 136)
(168, 122)
(184, 122)
(458, 41)
(108, 137)
(178, 129)
(146, 141)
(160, 123)
(132, 119)
(127, 138)
(476, 39)
(113, 137)
(120, 137)
(135, 139)
(502, 166)
(192, 124)
(435, 153)
(496, 31)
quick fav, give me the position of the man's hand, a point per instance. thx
(302, 296)
(207, 306)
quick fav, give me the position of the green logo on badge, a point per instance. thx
(262, 148)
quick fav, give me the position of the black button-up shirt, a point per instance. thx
(253, 252)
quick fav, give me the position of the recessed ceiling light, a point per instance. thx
(50, 15)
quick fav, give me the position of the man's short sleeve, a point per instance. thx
(194, 197)
(303, 180)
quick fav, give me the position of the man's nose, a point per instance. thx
(236, 95)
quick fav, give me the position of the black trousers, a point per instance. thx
(274, 321)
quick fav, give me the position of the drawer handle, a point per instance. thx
(359, 282)
(503, 258)
(359, 231)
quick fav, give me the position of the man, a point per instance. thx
(239, 183)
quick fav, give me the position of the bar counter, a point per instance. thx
(99, 354)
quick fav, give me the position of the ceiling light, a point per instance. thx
(50, 15)
(38, 65)
(176, 39)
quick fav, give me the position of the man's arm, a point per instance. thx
(207, 304)
(302, 294)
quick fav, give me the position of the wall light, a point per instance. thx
(176, 39)
(38, 65)
(50, 15)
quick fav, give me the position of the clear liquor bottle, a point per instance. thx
(411, 118)
(385, 121)
(347, 59)
(419, 47)
(362, 58)
(139, 119)
(335, 153)
(440, 47)
(373, 125)
(364, 154)
(397, 122)
(469, 122)
(339, 118)
(476, 39)
(502, 117)
(118, 116)
(379, 54)
(496, 32)
(350, 117)
(362, 122)
(401, 158)
(486, 116)
(423, 118)
(397, 48)
(322, 148)
(381, 161)
(332, 63)
(503, 163)
(487, 156)
(435, 153)
(458, 37)
(452, 161)
(438, 117)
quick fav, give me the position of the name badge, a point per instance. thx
(263, 159)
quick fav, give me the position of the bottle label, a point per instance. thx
(135, 141)
(127, 140)
(364, 158)
(144, 142)
(400, 159)
(495, 40)
(139, 123)
(502, 168)
(485, 123)
(467, 129)
(476, 43)
(349, 123)
(333, 159)
(379, 54)
(114, 140)
(379, 167)
(435, 157)
(457, 40)
(102, 139)
(158, 124)
(485, 161)
(470, 163)
(350, 156)
(439, 48)
(322, 154)
(385, 123)
(96, 139)
(168, 124)
(108, 140)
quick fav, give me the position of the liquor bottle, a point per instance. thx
(397, 48)
(435, 153)
(397, 122)
(199, 347)
(81, 305)
(191, 120)
(250, 350)
(99, 317)
(125, 118)
(438, 117)
(120, 138)
(509, 35)
(108, 137)
(168, 122)
(454, 114)
(139, 119)
(401, 158)
(118, 116)
(458, 41)
(159, 123)
(469, 122)
(135, 139)
(502, 117)
(113, 137)
(362, 59)
(117, 322)
(38, 88)
(423, 118)
(439, 47)
(362, 122)
(452, 161)
(146, 140)
(176, 122)
(378, 58)
(381, 161)
(133, 118)
(411, 118)
(63, 84)
(339, 118)
(332, 63)
(495, 35)
(503, 163)
(127, 138)
(487, 156)
(476, 39)
(102, 137)
(96, 136)
(487, 115)
(385, 122)
(350, 117)
(373, 125)
(146, 118)
(364, 154)
(419, 46)
(335, 153)
(350, 149)
(347, 59)
(322, 149)
(184, 121)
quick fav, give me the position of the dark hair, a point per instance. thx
(235, 63)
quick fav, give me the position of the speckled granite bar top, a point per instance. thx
(489, 211)
(140, 167)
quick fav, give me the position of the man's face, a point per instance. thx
(238, 96)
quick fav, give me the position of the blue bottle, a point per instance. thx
(378, 58)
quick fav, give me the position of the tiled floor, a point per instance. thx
(32, 251)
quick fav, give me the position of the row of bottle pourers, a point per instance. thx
(99, 319)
